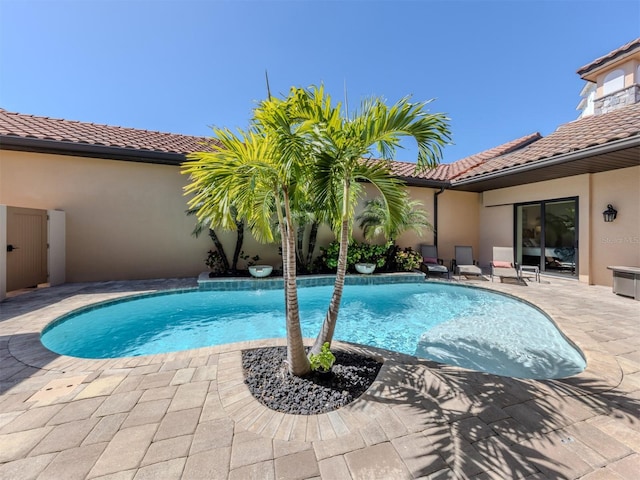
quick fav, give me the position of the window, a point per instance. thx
(613, 82)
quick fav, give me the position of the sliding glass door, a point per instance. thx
(546, 235)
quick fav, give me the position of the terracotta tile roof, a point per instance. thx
(580, 134)
(445, 172)
(407, 170)
(632, 45)
(577, 135)
(45, 128)
(467, 164)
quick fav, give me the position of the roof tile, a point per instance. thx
(632, 45)
(577, 135)
(45, 128)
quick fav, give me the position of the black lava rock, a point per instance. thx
(268, 378)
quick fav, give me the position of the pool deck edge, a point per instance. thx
(507, 427)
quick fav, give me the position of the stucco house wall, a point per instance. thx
(496, 233)
(124, 220)
(600, 244)
(457, 220)
(618, 242)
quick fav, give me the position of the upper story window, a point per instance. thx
(613, 82)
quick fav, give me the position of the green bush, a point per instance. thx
(322, 361)
(407, 259)
(214, 262)
(357, 253)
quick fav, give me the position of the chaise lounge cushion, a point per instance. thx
(469, 270)
(502, 264)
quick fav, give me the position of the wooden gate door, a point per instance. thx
(26, 247)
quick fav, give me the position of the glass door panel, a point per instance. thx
(528, 234)
(560, 236)
(547, 235)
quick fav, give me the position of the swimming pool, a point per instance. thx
(457, 325)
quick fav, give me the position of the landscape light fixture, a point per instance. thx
(610, 214)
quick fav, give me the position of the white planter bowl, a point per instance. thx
(365, 268)
(260, 271)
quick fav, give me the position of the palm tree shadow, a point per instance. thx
(15, 371)
(479, 422)
(22, 355)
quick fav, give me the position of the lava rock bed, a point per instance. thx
(267, 376)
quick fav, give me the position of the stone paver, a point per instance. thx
(378, 461)
(250, 448)
(73, 463)
(169, 470)
(212, 464)
(65, 436)
(188, 415)
(297, 466)
(125, 451)
(152, 411)
(256, 471)
(165, 450)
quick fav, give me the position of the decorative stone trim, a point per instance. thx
(244, 283)
(619, 99)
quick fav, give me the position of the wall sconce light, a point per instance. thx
(610, 214)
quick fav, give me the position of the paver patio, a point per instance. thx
(188, 414)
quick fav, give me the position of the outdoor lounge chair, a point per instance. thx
(502, 265)
(464, 262)
(430, 261)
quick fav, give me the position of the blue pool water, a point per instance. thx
(457, 325)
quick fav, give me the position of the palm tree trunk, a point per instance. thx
(299, 249)
(298, 361)
(313, 236)
(220, 248)
(329, 324)
(239, 242)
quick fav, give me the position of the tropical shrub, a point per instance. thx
(322, 361)
(407, 259)
(215, 263)
(250, 261)
(358, 253)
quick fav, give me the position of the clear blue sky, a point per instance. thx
(499, 70)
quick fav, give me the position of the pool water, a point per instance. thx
(457, 325)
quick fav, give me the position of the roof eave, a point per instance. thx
(38, 145)
(614, 146)
(588, 72)
(423, 182)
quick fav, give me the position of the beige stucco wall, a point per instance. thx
(457, 220)
(496, 230)
(458, 223)
(56, 237)
(413, 239)
(500, 233)
(618, 242)
(124, 220)
(3, 248)
(600, 244)
(629, 68)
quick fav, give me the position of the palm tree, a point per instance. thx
(301, 148)
(340, 145)
(202, 224)
(374, 220)
(259, 172)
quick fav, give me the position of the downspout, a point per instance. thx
(435, 216)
